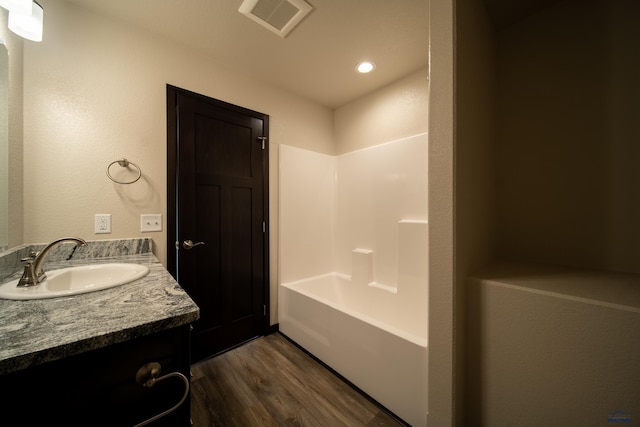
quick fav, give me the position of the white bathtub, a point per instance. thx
(374, 337)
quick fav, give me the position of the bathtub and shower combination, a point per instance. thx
(373, 333)
(374, 336)
(386, 360)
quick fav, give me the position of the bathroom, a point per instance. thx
(90, 133)
(80, 124)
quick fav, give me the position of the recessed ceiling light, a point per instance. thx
(366, 67)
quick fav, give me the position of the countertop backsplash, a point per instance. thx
(11, 264)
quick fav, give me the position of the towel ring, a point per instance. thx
(125, 164)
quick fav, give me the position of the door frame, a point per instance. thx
(173, 239)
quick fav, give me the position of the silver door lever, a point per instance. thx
(188, 244)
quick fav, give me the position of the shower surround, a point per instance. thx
(354, 266)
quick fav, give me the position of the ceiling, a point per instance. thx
(316, 60)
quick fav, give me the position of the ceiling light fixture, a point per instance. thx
(366, 67)
(19, 6)
(28, 25)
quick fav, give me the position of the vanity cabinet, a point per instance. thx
(99, 387)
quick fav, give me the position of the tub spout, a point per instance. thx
(33, 274)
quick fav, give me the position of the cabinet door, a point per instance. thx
(99, 388)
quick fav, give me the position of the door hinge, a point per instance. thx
(264, 227)
(264, 309)
(262, 139)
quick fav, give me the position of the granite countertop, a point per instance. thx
(37, 331)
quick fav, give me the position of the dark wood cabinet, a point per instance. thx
(99, 387)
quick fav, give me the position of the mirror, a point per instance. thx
(4, 146)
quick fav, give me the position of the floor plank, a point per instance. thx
(271, 382)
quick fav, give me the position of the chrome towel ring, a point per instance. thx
(148, 376)
(125, 164)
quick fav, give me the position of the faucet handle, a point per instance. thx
(28, 277)
(30, 259)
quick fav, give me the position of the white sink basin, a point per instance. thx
(76, 280)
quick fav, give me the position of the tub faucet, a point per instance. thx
(33, 274)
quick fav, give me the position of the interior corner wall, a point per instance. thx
(474, 198)
(567, 140)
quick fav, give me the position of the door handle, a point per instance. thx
(188, 244)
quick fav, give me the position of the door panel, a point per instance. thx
(219, 177)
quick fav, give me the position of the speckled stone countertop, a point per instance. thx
(37, 331)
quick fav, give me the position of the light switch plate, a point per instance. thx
(150, 222)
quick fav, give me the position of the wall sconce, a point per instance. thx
(19, 6)
(26, 24)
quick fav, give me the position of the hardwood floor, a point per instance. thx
(271, 382)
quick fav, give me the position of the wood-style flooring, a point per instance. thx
(271, 382)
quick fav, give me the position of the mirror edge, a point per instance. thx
(15, 48)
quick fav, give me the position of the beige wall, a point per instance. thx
(441, 214)
(95, 91)
(548, 358)
(552, 181)
(568, 136)
(397, 111)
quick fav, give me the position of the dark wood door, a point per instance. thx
(217, 194)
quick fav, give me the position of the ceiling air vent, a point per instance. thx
(279, 16)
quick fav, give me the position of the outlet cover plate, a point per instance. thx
(150, 222)
(102, 224)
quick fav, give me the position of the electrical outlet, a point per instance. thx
(150, 222)
(103, 223)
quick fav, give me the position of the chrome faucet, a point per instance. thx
(33, 274)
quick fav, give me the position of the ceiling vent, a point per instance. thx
(279, 16)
